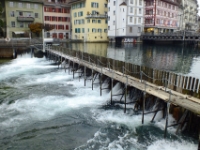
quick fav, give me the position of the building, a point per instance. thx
(188, 15)
(19, 14)
(125, 19)
(161, 16)
(89, 20)
(57, 15)
(2, 19)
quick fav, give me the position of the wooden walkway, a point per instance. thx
(188, 102)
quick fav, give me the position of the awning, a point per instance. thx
(18, 32)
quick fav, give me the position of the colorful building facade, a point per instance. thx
(161, 16)
(89, 20)
(19, 14)
(57, 15)
(125, 19)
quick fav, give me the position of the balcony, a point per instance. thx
(96, 16)
(25, 19)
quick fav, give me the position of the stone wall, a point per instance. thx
(6, 53)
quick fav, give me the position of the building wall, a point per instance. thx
(135, 18)
(57, 15)
(88, 25)
(189, 15)
(125, 18)
(161, 16)
(25, 10)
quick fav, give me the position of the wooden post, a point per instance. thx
(143, 107)
(101, 83)
(167, 115)
(125, 93)
(111, 91)
(92, 77)
(84, 75)
(144, 99)
(69, 67)
(199, 140)
(65, 65)
(73, 69)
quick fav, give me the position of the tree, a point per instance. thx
(37, 27)
(2, 23)
(48, 27)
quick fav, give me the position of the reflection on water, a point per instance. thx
(176, 58)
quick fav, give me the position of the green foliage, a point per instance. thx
(36, 28)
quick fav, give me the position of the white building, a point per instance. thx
(188, 15)
(125, 19)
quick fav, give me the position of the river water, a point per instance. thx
(44, 108)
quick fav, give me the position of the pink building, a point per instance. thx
(161, 16)
(57, 14)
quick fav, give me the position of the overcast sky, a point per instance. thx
(199, 5)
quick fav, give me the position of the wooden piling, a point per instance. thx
(92, 77)
(125, 93)
(143, 107)
(199, 140)
(111, 91)
(84, 75)
(166, 123)
(73, 70)
(101, 83)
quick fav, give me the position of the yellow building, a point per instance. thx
(89, 20)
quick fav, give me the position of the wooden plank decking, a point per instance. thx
(185, 101)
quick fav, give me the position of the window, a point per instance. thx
(105, 5)
(140, 2)
(35, 6)
(140, 11)
(88, 21)
(75, 15)
(93, 21)
(93, 30)
(139, 29)
(99, 30)
(113, 22)
(131, 19)
(131, 1)
(131, 9)
(12, 24)
(83, 30)
(114, 3)
(105, 30)
(20, 5)
(21, 25)
(94, 5)
(36, 15)
(113, 12)
(20, 13)
(11, 4)
(28, 5)
(139, 20)
(12, 14)
(80, 14)
(130, 29)
(99, 21)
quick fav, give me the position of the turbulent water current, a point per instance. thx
(44, 108)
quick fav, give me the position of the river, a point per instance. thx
(44, 108)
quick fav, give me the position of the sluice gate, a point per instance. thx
(175, 92)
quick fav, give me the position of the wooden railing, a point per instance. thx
(168, 80)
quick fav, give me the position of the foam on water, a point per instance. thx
(172, 145)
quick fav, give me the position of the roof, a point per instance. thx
(75, 1)
(124, 4)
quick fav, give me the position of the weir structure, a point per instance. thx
(173, 92)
